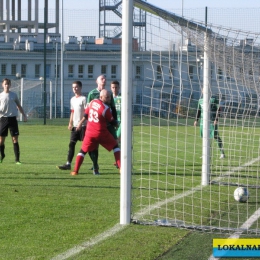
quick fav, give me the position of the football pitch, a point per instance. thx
(46, 212)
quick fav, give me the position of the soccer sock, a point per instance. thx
(71, 152)
(2, 150)
(94, 157)
(220, 145)
(79, 161)
(117, 157)
(17, 152)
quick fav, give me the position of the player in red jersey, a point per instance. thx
(98, 114)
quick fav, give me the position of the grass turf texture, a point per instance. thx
(45, 211)
(176, 169)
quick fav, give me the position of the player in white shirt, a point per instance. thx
(9, 106)
(78, 104)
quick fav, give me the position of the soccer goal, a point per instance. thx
(31, 96)
(178, 177)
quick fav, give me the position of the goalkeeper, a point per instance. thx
(214, 116)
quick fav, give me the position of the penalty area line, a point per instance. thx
(79, 248)
(118, 227)
(250, 220)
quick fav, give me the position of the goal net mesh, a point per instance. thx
(167, 148)
(31, 96)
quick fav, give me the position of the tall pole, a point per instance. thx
(180, 64)
(126, 112)
(206, 113)
(44, 68)
(56, 81)
(61, 64)
(50, 100)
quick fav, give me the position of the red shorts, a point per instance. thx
(90, 143)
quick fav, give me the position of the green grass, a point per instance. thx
(45, 211)
(165, 168)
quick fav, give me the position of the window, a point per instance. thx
(171, 71)
(37, 71)
(48, 70)
(80, 71)
(57, 73)
(3, 69)
(90, 71)
(71, 71)
(13, 70)
(191, 72)
(159, 72)
(212, 71)
(113, 72)
(23, 70)
(138, 72)
(220, 73)
(104, 69)
(228, 72)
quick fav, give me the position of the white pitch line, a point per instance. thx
(79, 248)
(197, 188)
(250, 220)
(246, 225)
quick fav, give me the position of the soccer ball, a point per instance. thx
(241, 194)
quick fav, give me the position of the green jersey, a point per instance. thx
(117, 101)
(214, 109)
(95, 94)
(214, 105)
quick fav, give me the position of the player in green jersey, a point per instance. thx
(95, 94)
(117, 99)
(214, 116)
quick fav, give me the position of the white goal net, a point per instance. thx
(31, 95)
(182, 58)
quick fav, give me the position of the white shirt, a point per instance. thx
(8, 104)
(78, 105)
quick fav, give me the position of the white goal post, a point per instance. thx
(126, 113)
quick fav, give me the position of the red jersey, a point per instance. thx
(99, 114)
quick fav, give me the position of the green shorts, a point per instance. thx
(213, 130)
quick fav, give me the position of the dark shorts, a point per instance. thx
(77, 135)
(9, 123)
(112, 130)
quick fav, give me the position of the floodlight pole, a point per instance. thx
(56, 81)
(45, 58)
(126, 112)
(61, 63)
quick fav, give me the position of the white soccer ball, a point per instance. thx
(241, 194)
